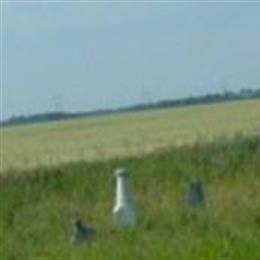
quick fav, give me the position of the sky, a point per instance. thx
(80, 56)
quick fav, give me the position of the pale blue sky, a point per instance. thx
(98, 55)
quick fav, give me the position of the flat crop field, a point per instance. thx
(123, 135)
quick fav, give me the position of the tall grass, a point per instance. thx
(35, 209)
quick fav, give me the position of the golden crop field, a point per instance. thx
(122, 135)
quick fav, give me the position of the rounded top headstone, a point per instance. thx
(122, 172)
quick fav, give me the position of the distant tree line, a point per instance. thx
(204, 99)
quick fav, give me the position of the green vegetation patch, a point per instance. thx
(35, 206)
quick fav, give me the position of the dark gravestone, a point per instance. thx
(81, 233)
(196, 194)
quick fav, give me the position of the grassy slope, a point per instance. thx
(34, 215)
(123, 135)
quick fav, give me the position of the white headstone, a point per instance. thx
(124, 212)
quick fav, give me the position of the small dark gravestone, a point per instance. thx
(196, 194)
(81, 233)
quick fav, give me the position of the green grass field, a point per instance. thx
(35, 211)
(51, 170)
(123, 135)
